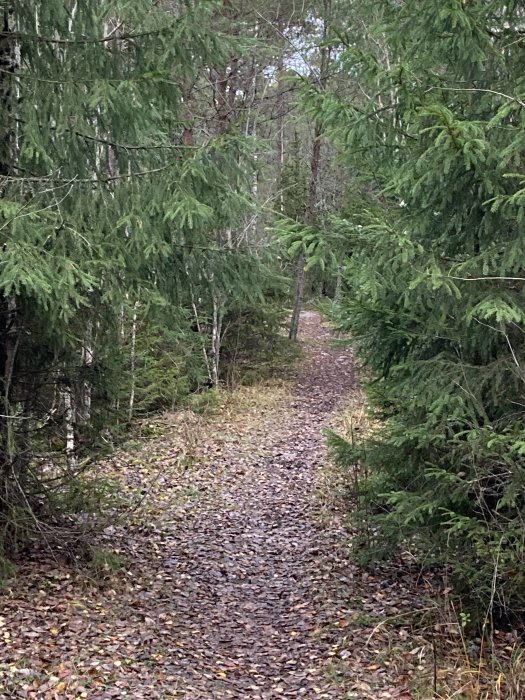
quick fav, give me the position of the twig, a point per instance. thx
(493, 92)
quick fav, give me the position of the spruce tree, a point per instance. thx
(111, 226)
(431, 127)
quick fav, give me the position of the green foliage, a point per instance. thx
(255, 344)
(168, 363)
(324, 248)
(103, 563)
(294, 186)
(82, 494)
(8, 571)
(123, 245)
(436, 284)
(203, 402)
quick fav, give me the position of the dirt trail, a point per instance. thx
(232, 588)
(257, 596)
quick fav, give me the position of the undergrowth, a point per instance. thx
(468, 657)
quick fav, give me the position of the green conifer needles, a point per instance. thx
(121, 226)
(432, 127)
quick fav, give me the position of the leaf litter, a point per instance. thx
(233, 577)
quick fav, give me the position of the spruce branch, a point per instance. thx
(20, 36)
(487, 90)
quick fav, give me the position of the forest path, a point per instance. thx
(237, 581)
(256, 612)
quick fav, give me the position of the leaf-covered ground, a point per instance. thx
(235, 579)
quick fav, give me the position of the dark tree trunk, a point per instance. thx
(13, 426)
(9, 337)
(300, 279)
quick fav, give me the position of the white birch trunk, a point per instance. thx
(216, 339)
(133, 360)
(69, 424)
(338, 284)
(83, 403)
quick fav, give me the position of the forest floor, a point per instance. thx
(232, 575)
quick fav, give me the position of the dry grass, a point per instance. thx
(456, 665)
(473, 668)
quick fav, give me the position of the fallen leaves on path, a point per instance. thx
(231, 586)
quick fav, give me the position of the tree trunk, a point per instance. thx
(69, 424)
(310, 214)
(300, 278)
(280, 126)
(338, 284)
(216, 338)
(83, 402)
(133, 360)
(315, 162)
(10, 332)
(8, 52)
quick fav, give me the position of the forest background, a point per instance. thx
(175, 176)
